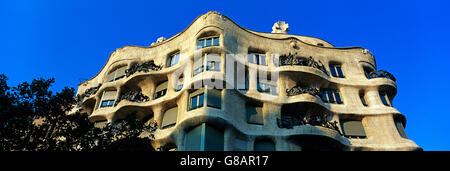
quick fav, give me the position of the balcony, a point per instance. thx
(145, 67)
(80, 98)
(304, 113)
(294, 59)
(132, 96)
(380, 74)
(296, 90)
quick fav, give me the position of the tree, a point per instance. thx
(33, 118)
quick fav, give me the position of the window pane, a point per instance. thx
(193, 138)
(383, 98)
(104, 104)
(177, 58)
(200, 100)
(198, 70)
(179, 87)
(353, 128)
(214, 98)
(363, 100)
(209, 65)
(263, 60)
(217, 66)
(214, 139)
(250, 58)
(330, 96)
(339, 70)
(201, 43)
(208, 42)
(216, 41)
(338, 97)
(323, 96)
(333, 70)
(194, 102)
(257, 59)
(274, 90)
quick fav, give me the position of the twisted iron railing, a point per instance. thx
(145, 67)
(382, 74)
(293, 59)
(289, 122)
(296, 90)
(132, 96)
(79, 98)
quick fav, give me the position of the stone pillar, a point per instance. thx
(228, 139)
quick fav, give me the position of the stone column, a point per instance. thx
(228, 139)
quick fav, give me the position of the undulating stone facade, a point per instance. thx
(288, 92)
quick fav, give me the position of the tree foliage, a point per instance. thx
(33, 118)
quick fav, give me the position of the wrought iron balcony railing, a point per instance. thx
(79, 98)
(381, 74)
(289, 122)
(293, 59)
(132, 96)
(146, 67)
(296, 90)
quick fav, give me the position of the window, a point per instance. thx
(214, 98)
(196, 99)
(384, 98)
(204, 138)
(116, 74)
(367, 71)
(170, 118)
(264, 145)
(254, 114)
(353, 129)
(161, 90)
(241, 78)
(363, 98)
(211, 60)
(207, 42)
(330, 96)
(179, 85)
(267, 86)
(108, 99)
(255, 58)
(336, 70)
(173, 59)
(400, 126)
(107, 103)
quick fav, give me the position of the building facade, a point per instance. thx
(218, 86)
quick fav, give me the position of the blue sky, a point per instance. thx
(71, 40)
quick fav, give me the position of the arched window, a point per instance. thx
(367, 71)
(363, 98)
(170, 118)
(208, 41)
(384, 97)
(161, 90)
(108, 99)
(173, 59)
(116, 74)
(336, 70)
